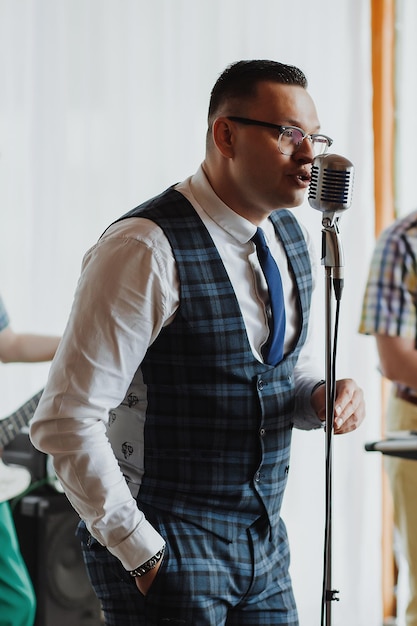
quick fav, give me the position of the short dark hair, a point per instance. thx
(239, 80)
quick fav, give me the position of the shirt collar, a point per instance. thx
(234, 224)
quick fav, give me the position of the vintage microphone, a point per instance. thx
(330, 192)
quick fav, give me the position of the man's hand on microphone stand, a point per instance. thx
(349, 406)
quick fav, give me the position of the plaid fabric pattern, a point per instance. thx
(203, 580)
(4, 318)
(219, 423)
(389, 305)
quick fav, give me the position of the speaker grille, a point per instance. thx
(46, 524)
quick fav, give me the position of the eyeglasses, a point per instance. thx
(290, 137)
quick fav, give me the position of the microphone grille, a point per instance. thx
(331, 183)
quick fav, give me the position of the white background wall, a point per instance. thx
(102, 104)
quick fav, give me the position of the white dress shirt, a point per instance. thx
(127, 292)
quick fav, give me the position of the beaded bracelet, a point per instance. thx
(148, 565)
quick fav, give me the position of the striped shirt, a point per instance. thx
(389, 304)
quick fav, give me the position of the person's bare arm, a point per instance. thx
(26, 347)
(398, 359)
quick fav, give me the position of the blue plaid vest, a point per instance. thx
(219, 423)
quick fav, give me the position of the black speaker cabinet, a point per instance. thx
(20, 451)
(45, 524)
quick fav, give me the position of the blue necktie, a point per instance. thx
(273, 350)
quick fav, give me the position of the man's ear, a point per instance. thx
(223, 136)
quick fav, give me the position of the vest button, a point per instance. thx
(260, 385)
(257, 477)
(262, 432)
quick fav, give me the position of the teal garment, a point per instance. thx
(17, 596)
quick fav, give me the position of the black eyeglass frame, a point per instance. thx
(281, 129)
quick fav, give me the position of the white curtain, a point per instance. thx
(405, 105)
(102, 104)
(405, 83)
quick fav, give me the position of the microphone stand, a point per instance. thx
(332, 259)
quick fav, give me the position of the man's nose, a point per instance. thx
(305, 152)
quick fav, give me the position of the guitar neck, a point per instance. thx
(11, 426)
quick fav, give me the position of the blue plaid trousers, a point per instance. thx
(203, 580)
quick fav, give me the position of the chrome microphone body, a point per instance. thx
(330, 192)
(331, 184)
